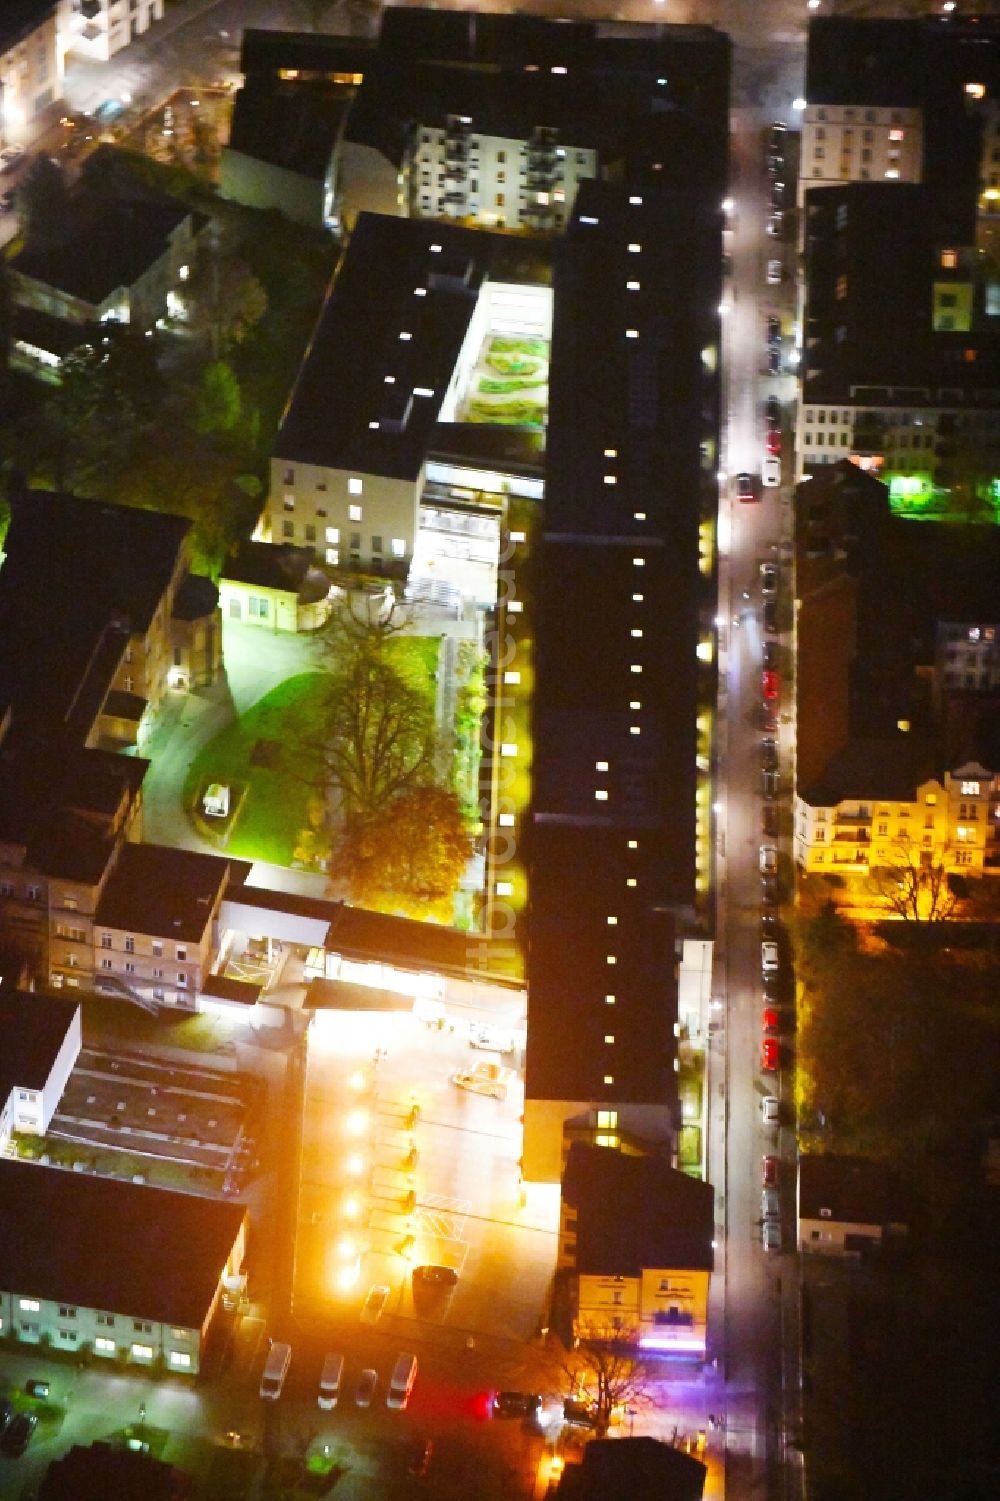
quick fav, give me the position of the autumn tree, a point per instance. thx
(225, 300)
(408, 856)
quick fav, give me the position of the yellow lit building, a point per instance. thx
(636, 1236)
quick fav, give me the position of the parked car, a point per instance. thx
(419, 1452)
(774, 273)
(515, 1404)
(768, 859)
(770, 960)
(9, 157)
(367, 1387)
(770, 782)
(8, 198)
(770, 1055)
(777, 193)
(437, 1276)
(770, 1204)
(772, 441)
(769, 820)
(768, 718)
(774, 225)
(770, 1110)
(769, 579)
(771, 473)
(579, 1414)
(769, 889)
(773, 336)
(772, 406)
(744, 487)
(772, 1235)
(6, 1412)
(37, 1388)
(770, 1019)
(769, 684)
(770, 616)
(16, 1435)
(374, 1303)
(769, 655)
(776, 135)
(769, 753)
(770, 1171)
(490, 1079)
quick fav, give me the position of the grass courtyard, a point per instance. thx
(273, 803)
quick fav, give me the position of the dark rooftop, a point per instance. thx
(887, 770)
(33, 1028)
(636, 1212)
(196, 597)
(19, 18)
(268, 54)
(359, 342)
(167, 893)
(145, 1252)
(289, 124)
(103, 1470)
(268, 565)
(846, 1189)
(643, 1469)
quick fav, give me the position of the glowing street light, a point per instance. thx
(356, 1123)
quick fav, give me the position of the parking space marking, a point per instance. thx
(442, 1216)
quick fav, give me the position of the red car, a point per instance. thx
(774, 440)
(769, 684)
(769, 1054)
(770, 1020)
(771, 1171)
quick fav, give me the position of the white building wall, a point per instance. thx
(495, 187)
(854, 143)
(349, 519)
(114, 24)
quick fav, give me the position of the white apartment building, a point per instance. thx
(502, 182)
(30, 76)
(952, 821)
(100, 28)
(859, 143)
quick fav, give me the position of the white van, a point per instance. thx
(404, 1373)
(279, 1358)
(329, 1381)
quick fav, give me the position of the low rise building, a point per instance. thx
(637, 1237)
(99, 29)
(31, 68)
(846, 1205)
(40, 1039)
(274, 586)
(132, 1274)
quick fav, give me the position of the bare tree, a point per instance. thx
(607, 1373)
(913, 889)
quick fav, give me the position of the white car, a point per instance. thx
(770, 1110)
(774, 273)
(10, 156)
(486, 1078)
(772, 1235)
(772, 472)
(769, 960)
(770, 1204)
(768, 859)
(493, 1039)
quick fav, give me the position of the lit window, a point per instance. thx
(635, 667)
(637, 632)
(405, 337)
(504, 888)
(422, 391)
(354, 486)
(508, 748)
(179, 1358)
(398, 547)
(515, 607)
(517, 536)
(354, 513)
(142, 1352)
(601, 795)
(436, 249)
(390, 380)
(970, 789)
(896, 135)
(512, 676)
(333, 535)
(420, 291)
(607, 1120)
(631, 333)
(639, 515)
(506, 820)
(29, 1305)
(373, 425)
(632, 286)
(611, 959)
(635, 200)
(975, 90)
(609, 1037)
(609, 1000)
(635, 703)
(631, 881)
(104, 1345)
(638, 598)
(609, 1078)
(611, 453)
(612, 922)
(634, 729)
(611, 479)
(633, 844)
(634, 248)
(600, 765)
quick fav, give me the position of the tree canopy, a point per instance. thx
(409, 856)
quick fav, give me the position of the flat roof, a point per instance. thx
(33, 1027)
(268, 565)
(888, 769)
(377, 343)
(846, 1188)
(290, 124)
(636, 1212)
(127, 1248)
(21, 17)
(168, 893)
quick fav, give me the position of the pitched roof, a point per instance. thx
(268, 565)
(636, 1212)
(145, 1252)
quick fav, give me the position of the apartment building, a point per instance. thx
(851, 143)
(870, 811)
(120, 1271)
(40, 1040)
(99, 28)
(637, 1237)
(30, 68)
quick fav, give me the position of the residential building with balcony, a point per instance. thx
(99, 29)
(636, 1236)
(120, 1271)
(31, 69)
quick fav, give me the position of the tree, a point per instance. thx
(43, 199)
(606, 1372)
(217, 402)
(225, 300)
(410, 855)
(912, 889)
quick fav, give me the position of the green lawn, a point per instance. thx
(274, 809)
